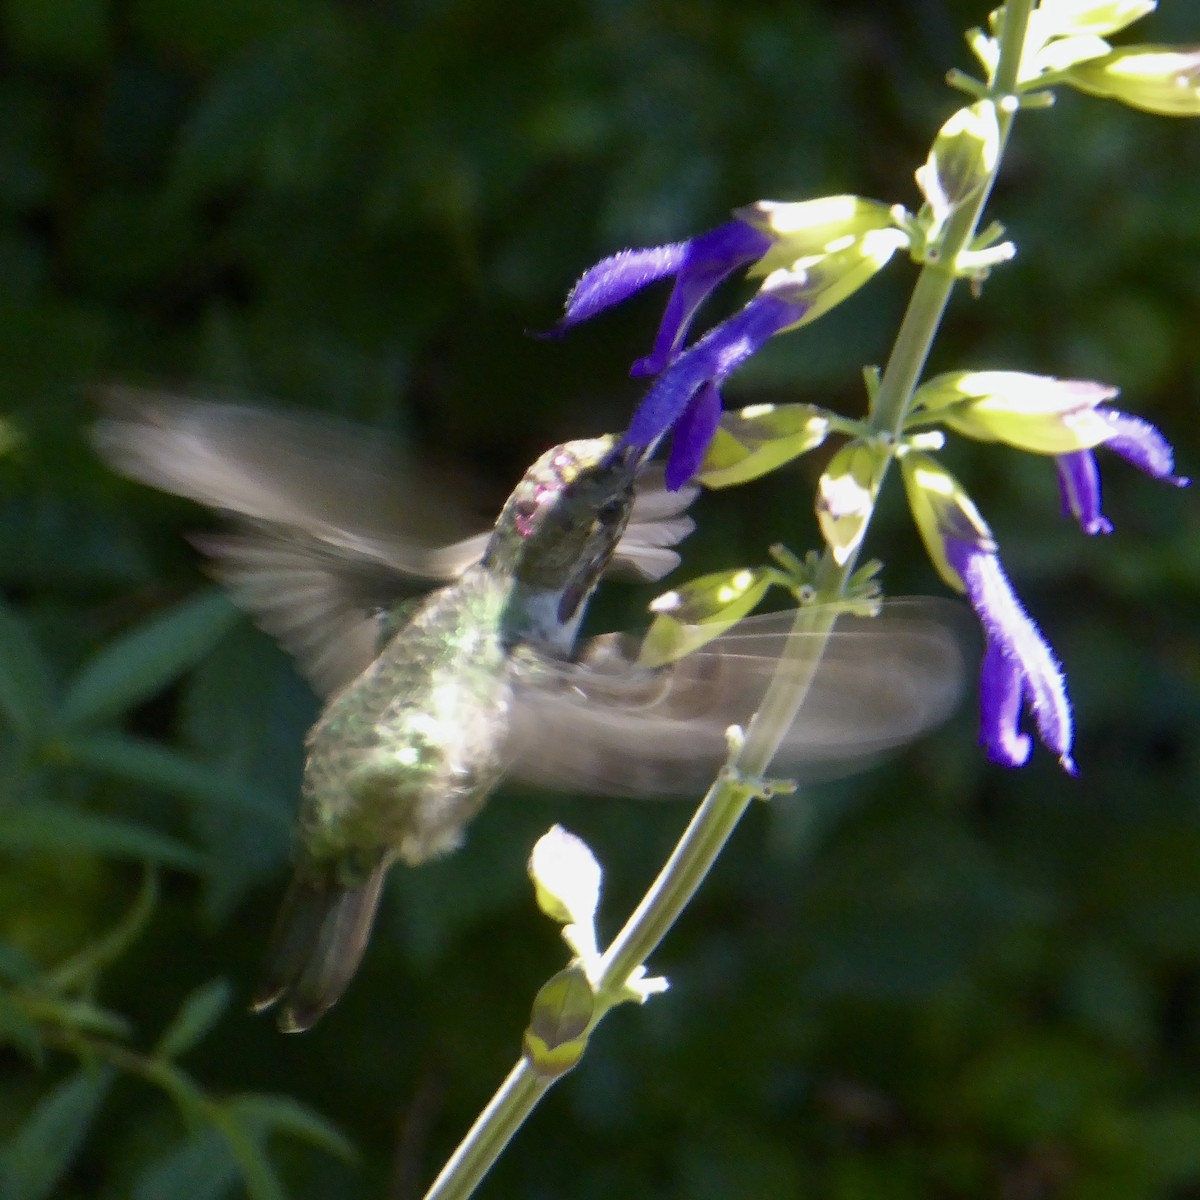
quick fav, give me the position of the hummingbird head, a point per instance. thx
(560, 526)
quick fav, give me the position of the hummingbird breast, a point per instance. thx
(406, 754)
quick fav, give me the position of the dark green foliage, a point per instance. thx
(943, 980)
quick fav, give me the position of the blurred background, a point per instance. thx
(941, 979)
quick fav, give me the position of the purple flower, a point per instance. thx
(810, 256)
(1018, 665)
(698, 266)
(1136, 441)
(686, 397)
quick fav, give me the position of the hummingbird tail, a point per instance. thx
(318, 942)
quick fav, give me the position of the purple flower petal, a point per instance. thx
(1138, 442)
(707, 260)
(709, 361)
(618, 277)
(1079, 487)
(1000, 709)
(693, 431)
(1016, 653)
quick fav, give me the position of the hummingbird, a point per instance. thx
(430, 701)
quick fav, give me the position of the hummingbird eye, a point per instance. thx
(611, 511)
(524, 512)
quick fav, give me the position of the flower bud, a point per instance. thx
(759, 438)
(942, 511)
(558, 1026)
(1037, 413)
(1057, 18)
(807, 228)
(699, 611)
(566, 877)
(816, 284)
(961, 161)
(846, 496)
(1156, 79)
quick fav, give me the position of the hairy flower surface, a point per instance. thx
(1018, 665)
(813, 255)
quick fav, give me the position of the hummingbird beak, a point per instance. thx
(632, 458)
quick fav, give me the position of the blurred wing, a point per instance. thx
(657, 522)
(322, 604)
(335, 482)
(605, 726)
(332, 525)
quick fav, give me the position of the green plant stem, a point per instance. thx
(727, 800)
(910, 351)
(506, 1112)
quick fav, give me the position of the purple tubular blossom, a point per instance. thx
(1018, 666)
(1139, 443)
(1136, 441)
(698, 266)
(1000, 699)
(1079, 487)
(707, 261)
(693, 431)
(686, 396)
(618, 277)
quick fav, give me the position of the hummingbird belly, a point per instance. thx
(407, 753)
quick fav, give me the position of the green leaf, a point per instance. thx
(141, 663)
(41, 1151)
(258, 1173)
(196, 1016)
(79, 1016)
(25, 683)
(194, 1106)
(66, 33)
(282, 1114)
(15, 965)
(199, 1168)
(137, 761)
(57, 828)
(82, 967)
(19, 1030)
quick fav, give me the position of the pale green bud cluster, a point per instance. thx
(1067, 43)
